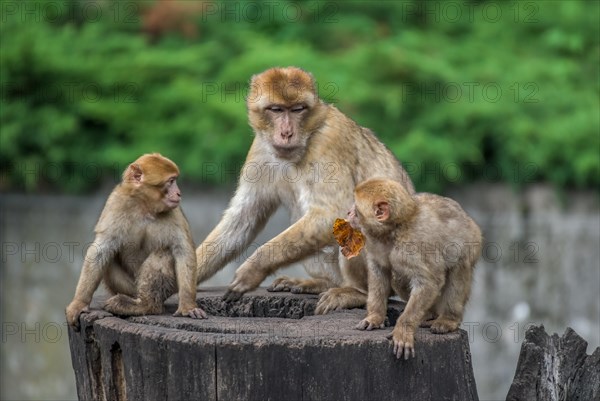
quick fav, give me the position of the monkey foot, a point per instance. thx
(124, 305)
(340, 298)
(370, 324)
(428, 321)
(442, 326)
(120, 304)
(298, 286)
(194, 313)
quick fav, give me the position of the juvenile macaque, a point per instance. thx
(306, 156)
(428, 245)
(171, 16)
(143, 250)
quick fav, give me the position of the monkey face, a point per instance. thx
(362, 217)
(353, 218)
(284, 110)
(286, 134)
(152, 178)
(172, 194)
(371, 208)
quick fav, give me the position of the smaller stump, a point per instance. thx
(267, 346)
(555, 368)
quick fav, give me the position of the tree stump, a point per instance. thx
(553, 368)
(267, 346)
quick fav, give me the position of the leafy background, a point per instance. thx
(459, 91)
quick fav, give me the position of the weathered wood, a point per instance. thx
(553, 368)
(267, 346)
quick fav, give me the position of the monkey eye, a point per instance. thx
(299, 108)
(275, 109)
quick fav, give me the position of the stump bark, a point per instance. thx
(267, 346)
(553, 368)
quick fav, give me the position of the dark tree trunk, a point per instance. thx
(267, 346)
(553, 368)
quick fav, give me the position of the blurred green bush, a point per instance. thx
(460, 91)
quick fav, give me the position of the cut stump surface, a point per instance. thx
(266, 346)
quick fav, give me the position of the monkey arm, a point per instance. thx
(378, 290)
(97, 257)
(248, 212)
(304, 238)
(425, 288)
(185, 270)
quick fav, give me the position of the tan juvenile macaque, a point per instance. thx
(428, 245)
(143, 250)
(172, 16)
(306, 156)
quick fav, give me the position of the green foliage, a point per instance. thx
(459, 91)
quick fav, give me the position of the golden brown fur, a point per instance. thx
(143, 250)
(311, 157)
(171, 16)
(427, 245)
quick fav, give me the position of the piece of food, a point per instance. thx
(350, 239)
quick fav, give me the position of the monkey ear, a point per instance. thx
(134, 174)
(382, 211)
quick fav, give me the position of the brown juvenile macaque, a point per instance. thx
(306, 156)
(428, 245)
(143, 250)
(171, 16)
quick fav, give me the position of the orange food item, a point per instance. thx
(350, 239)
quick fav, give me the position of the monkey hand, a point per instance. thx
(403, 340)
(371, 322)
(246, 279)
(232, 296)
(73, 311)
(191, 311)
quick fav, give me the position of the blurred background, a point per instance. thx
(494, 103)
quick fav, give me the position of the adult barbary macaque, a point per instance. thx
(425, 246)
(310, 156)
(143, 250)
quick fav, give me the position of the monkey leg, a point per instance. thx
(155, 282)
(118, 281)
(303, 239)
(401, 287)
(353, 291)
(323, 269)
(451, 303)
